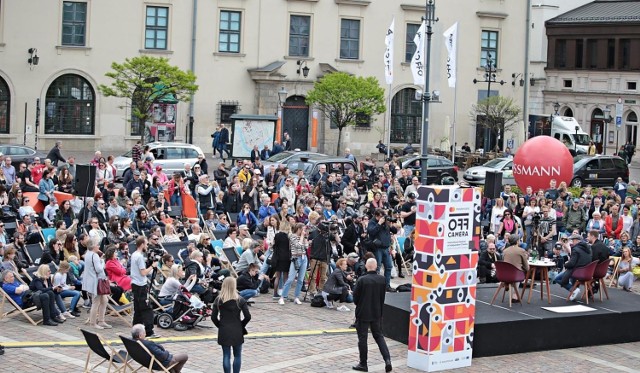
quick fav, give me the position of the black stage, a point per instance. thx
(527, 327)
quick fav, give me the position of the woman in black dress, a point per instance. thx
(280, 261)
(231, 328)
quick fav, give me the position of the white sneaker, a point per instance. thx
(68, 315)
(61, 316)
(328, 304)
(343, 309)
(281, 301)
(280, 292)
(297, 301)
(575, 294)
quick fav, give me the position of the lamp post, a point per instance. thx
(282, 98)
(575, 141)
(607, 119)
(490, 70)
(430, 19)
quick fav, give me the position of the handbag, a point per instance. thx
(104, 287)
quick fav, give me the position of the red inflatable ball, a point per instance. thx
(540, 160)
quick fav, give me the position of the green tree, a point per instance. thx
(144, 80)
(496, 113)
(345, 98)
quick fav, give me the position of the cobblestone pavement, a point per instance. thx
(289, 338)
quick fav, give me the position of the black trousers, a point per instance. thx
(362, 328)
(142, 311)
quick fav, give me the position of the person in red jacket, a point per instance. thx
(613, 223)
(116, 272)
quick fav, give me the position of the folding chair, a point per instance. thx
(97, 345)
(616, 263)
(224, 262)
(17, 309)
(34, 250)
(175, 212)
(10, 227)
(232, 256)
(173, 248)
(400, 252)
(122, 311)
(219, 233)
(48, 234)
(233, 216)
(141, 355)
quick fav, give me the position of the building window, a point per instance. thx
(229, 32)
(489, 46)
(5, 105)
(579, 53)
(74, 23)
(625, 54)
(70, 106)
(406, 117)
(410, 46)
(363, 120)
(157, 27)
(561, 53)
(611, 53)
(632, 86)
(592, 54)
(350, 39)
(299, 31)
(567, 83)
(226, 110)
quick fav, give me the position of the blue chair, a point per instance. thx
(401, 241)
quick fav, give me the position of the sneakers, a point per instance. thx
(87, 304)
(153, 336)
(98, 327)
(297, 301)
(61, 317)
(105, 325)
(281, 301)
(575, 294)
(343, 309)
(68, 315)
(328, 304)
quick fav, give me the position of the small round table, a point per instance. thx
(544, 278)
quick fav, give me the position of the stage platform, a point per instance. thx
(500, 330)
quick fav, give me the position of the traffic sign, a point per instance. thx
(619, 122)
(619, 110)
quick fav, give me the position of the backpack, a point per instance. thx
(403, 288)
(317, 301)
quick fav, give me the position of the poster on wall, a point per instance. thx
(443, 294)
(162, 123)
(248, 133)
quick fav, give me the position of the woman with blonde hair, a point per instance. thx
(42, 282)
(94, 271)
(170, 234)
(625, 269)
(231, 327)
(172, 284)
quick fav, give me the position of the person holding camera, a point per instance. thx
(140, 269)
(380, 237)
(546, 231)
(408, 214)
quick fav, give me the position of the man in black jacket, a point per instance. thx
(580, 257)
(380, 236)
(54, 154)
(599, 250)
(163, 356)
(368, 297)
(249, 281)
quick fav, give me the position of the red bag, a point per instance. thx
(104, 287)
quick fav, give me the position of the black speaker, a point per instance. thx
(493, 184)
(85, 180)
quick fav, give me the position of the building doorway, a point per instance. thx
(598, 129)
(295, 121)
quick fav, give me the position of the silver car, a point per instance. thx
(170, 155)
(476, 175)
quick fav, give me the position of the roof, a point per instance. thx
(601, 11)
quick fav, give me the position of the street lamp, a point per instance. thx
(302, 67)
(575, 141)
(607, 119)
(489, 77)
(282, 96)
(556, 107)
(430, 19)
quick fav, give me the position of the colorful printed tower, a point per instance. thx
(443, 295)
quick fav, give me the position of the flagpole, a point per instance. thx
(388, 133)
(455, 99)
(388, 60)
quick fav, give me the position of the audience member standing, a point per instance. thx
(231, 327)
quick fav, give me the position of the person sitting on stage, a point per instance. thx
(580, 256)
(514, 255)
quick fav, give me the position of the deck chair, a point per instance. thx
(232, 257)
(614, 275)
(121, 311)
(16, 309)
(219, 233)
(10, 227)
(118, 360)
(48, 234)
(233, 216)
(407, 265)
(226, 263)
(141, 355)
(174, 247)
(175, 212)
(34, 250)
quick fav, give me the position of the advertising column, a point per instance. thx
(443, 294)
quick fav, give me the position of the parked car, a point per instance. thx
(598, 170)
(476, 175)
(289, 156)
(20, 153)
(310, 166)
(438, 168)
(170, 155)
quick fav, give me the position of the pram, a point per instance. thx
(187, 311)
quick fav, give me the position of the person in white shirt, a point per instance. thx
(50, 211)
(172, 284)
(289, 192)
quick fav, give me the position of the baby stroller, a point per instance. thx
(188, 310)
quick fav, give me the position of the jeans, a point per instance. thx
(384, 258)
(73, 294)
(226, 358)
(223, 148)
(558, 280)
(248, 293)
(293, 274)
(142, 311)
(362, 328)
(175, 200)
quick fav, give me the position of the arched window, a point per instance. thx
(406, 117)
(5, 105)
(70, 106)
(568, 112)
(632, 117)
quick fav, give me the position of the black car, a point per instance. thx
(310, 166)
(598, 170)
(20, 153)
(438, 168)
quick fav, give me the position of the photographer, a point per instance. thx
(380, 237)
(320, 256)
(408, 214)
(140, 269)
(545, 229)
